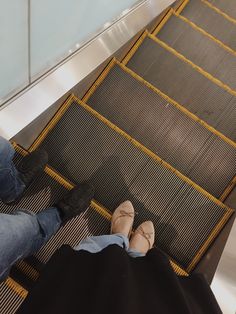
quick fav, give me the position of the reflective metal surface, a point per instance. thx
(34, 101)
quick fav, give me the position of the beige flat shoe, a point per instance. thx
(123, 219)
(143, 238)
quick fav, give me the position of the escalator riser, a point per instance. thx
(210, 55)
(180, 81)
(178, 139)
(212, 22)
(228, 7)
(120, 170)
(10, 300)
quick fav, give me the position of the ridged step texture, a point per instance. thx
(190, 88)
(10, 300)
(45, 192)
(209, 55)
(178, 139)
(227, 6)
(82, 147)
(211, 21)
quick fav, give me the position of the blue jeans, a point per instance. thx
(11, 185)
(23, 233)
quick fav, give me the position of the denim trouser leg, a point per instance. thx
(96, 244)
(23, 233)
(10, 184)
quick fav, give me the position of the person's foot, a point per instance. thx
(123, 219)
(76, 201)
(32, 165)
(143, 238)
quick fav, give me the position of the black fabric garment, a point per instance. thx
(111, 282)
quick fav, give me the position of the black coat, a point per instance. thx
(111, 282)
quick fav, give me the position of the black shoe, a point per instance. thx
(75, 201)
(32, 165)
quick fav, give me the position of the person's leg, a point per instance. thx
(98, 243)
(10, 184)
(23, 233)
(121, 225)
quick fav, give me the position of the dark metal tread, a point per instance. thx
(226, 6)
(203, 51)
(211, 21)
(180, 81)
(11, 296)
(83, 147)
(155, 122)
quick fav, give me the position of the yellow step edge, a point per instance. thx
(18, 289)
(27, 270)
(225, 15)
(163, 22)
(177, 105)
(199, 29)
(135, 47)
(51, 124)
(99, 80)
(182, 6)
(65, 182)
(193, 65)
(228, 211)
(114, 62)
(148, 152)
(228, 190)
(210, 239)
(94, 204)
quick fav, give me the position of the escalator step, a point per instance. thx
(212, 22)
(190, 88)
(83, 145)
(43, 193)
(11, 296)
(186, 144)
(203, 51)
(227, 6)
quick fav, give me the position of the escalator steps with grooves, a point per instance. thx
(211, 21)
(10, 300)
(181, 141)
(43, 193)
(227, 6)
(82, 147)
(209, 54)
(180, 81)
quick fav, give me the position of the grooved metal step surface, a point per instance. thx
(227, 6)
(187, 86)
(82, 147)
(10, 300)
(187, 145)
(209, 55)
(211, 21)
(43, 193)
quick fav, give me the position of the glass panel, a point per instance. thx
(58, 27)
(14, 47)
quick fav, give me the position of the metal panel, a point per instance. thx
(35, 100)
(168, 132)
(120, 169)
(183, 83)
(212, 57)
(202, 15)
(227, 6)
(43, 193)
(10, 300)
